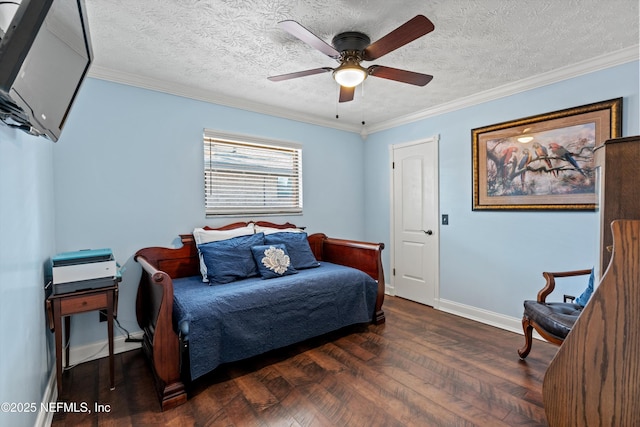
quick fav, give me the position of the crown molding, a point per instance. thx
(612, 59)
(197, 94)
(602, 62)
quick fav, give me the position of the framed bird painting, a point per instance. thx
(542, 162)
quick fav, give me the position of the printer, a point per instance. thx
(84, 269)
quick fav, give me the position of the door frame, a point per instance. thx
(391, 290)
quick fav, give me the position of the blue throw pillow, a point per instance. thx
(298, 247)
(273, 260)
(231, 259)
(586, 294)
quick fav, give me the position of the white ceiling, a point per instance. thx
(223, 51)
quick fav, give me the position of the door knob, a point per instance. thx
(428, 232)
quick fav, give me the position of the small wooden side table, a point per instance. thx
(64, 305)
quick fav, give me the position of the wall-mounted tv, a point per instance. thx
(45, 54)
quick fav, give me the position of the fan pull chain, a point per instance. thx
(337, 103)
(362, 102)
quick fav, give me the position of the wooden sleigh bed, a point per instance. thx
(163, 345)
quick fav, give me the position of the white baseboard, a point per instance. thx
(81, 354)
(50, 395)
(480, 315)
(100, 349)
(487, 317)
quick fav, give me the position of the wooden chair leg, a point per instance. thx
(528, 336)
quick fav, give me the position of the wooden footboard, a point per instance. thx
(154, 303)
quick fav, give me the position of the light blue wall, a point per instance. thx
(129, 174)
(493, 260)
(26, 242)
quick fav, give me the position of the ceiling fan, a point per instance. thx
(352, 47)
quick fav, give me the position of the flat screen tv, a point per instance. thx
(45, 54)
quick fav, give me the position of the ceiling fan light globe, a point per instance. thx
(349, 76)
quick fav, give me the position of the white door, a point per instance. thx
(415, 220)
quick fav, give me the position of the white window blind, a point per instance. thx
(245, 175)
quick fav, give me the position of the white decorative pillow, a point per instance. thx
(272, 261)
(201, 236)
(271, 230)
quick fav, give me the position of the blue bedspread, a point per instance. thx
(248, 317)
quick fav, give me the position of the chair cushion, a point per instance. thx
(556, 318)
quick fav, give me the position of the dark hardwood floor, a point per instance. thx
(422, 368)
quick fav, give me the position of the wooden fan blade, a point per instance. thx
(297, 30)
(299, 74)
(398, 75)
(346, 94)
(405, 33)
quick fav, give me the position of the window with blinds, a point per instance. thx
(245, 175)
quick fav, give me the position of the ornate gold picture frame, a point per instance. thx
(542, 162)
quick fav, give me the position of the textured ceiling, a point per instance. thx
(224, 50)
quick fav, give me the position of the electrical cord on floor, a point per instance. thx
(128, 339)
(86, 359)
